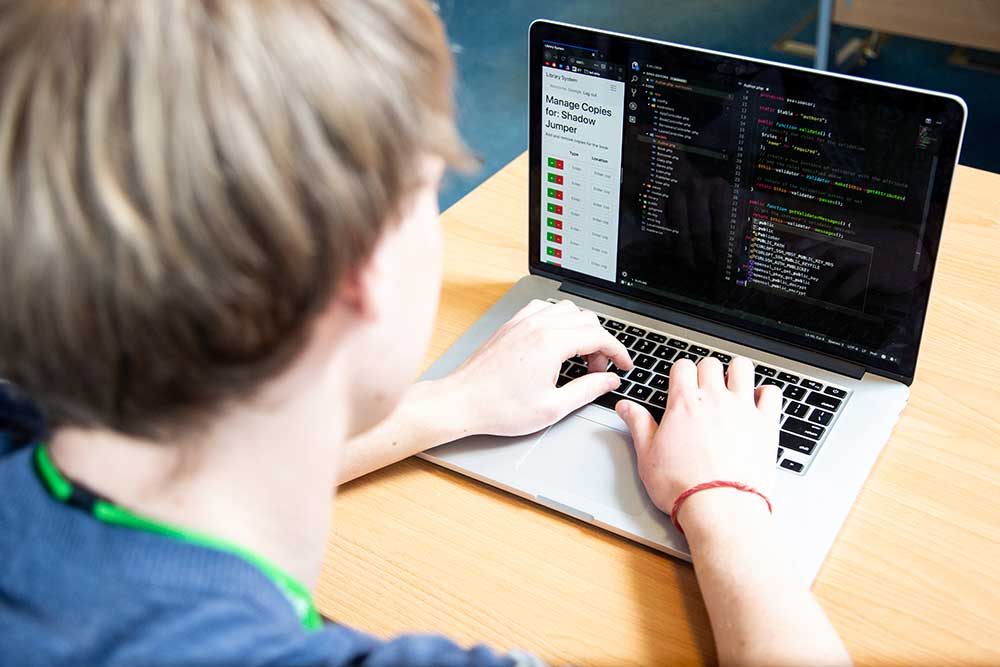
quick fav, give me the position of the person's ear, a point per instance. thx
(361, 287)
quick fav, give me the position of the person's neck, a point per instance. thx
(260, 478)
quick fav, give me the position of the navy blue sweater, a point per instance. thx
(75, 590)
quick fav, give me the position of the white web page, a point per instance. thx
(581, 166)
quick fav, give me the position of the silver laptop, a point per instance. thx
(705, 204)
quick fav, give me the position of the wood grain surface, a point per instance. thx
(912, 579)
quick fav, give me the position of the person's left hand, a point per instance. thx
(508, 386)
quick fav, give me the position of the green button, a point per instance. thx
(551, 236)
(552, 193)
(551, 251)
(552, 162)
(552, 178)
(551, 222)
(552, 208)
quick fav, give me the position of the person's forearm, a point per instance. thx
(761, 613)
(430, 414)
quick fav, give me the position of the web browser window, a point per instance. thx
(583, 102)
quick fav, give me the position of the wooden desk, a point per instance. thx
(912, 579)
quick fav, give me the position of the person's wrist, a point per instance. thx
(455, 413)
(723, 513)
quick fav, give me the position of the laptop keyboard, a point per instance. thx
(809, 407)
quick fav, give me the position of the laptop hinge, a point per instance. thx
(716, 329)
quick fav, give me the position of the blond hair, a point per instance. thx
(183, 183)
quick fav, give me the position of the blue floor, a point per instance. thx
(490, 40)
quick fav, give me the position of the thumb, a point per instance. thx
(585, 389)
(639, 422)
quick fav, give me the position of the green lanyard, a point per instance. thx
(104, 510)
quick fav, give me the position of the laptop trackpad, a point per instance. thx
(590, 461)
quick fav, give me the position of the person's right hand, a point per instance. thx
(714, 428)
(508, 386)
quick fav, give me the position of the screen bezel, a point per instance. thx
(610, 42)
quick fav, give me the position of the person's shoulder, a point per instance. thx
(345, 646)
(236, 632)
(18, 484)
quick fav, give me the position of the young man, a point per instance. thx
(219, 264)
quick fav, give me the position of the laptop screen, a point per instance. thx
(799, 205)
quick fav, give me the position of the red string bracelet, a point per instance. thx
(712, 485)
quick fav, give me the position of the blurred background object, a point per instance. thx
(946, 46)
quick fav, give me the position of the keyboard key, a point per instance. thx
(664, 352)
(620, 372)
(788, 377)
(799, 427)
(777, 383)
(659, 399)
(821, 416)
(562, 380)
(723, 357)
(601, 319)
(644, 361)
(575, 371)
(780, 451)
(639, 375)
(614, 324)
(626, 339)
(757, 379)
(635, 331)
(687, 355)
(623, 387)
(818, 400)
(796, 442)
(656, 338)
(812, 384)
(664, 367)
(659, 382)
(796, 409)
(607, 400)
(640, 392)
(699, 350)
(795, 392)
(565, 366)
(679, 344)
(644, 345)
(766, 371)
(655, 412)
(835, 392)
(789, 464)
